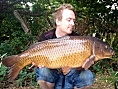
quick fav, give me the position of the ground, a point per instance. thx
(101, 82)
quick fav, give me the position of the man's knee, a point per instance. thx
(87, 75)
(46, 75)
(85, 80)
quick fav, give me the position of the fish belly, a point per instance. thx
(66, 53)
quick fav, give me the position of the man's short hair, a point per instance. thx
(58, 12)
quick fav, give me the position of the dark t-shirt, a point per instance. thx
(51, 35)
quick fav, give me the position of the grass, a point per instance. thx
(103, 82)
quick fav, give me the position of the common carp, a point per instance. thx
(70, 51)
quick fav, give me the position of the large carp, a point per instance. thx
(70, 51)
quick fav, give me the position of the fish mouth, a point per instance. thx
(110, 54)
(113, 52)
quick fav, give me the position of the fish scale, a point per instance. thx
(72, 51)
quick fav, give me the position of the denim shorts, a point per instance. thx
(73, 78)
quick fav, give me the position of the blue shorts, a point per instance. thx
(73, 78)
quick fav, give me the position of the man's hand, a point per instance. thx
(41, 66)
(89, 62)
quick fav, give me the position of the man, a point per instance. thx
(64, 18)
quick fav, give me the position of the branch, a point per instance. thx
(23, 23)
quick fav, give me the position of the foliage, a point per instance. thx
(94, 17)
(26, 77)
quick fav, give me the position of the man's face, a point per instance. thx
(67, 23)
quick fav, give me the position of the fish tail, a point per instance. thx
(10, 60)
(13, 73)
(15, 69)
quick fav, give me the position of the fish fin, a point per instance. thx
(33, 64)
(66, 69)
(88, 62)
(10, 60)
(35, 44)
(13, 72)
